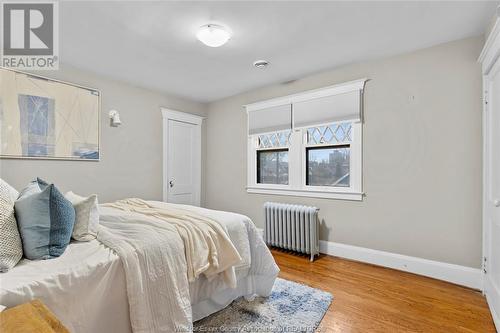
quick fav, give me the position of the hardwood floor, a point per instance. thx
(369, 298)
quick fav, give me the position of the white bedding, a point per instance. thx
(86, 286)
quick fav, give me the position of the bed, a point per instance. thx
(88, 287)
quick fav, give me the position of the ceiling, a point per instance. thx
(153, 44)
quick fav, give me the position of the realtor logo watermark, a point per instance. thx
(30, 37)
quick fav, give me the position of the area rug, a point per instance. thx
(291, 307)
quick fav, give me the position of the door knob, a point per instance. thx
(496, 202)
(171, 183)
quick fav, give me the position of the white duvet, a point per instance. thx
(91, 290)
(208, 250)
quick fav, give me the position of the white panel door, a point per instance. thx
(182, 160)
(492, 191)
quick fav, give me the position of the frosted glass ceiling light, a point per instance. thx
(213, 35)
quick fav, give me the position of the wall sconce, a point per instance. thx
(114, 118)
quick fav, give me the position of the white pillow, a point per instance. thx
(11, 248)
(86, 216)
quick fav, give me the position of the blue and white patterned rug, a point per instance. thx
(291, 307)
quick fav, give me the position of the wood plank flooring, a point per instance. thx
(369, 298)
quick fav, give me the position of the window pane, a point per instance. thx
(272, 167)
(330, 134)
(328, 166)
(274, 140)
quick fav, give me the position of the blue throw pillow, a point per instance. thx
(45, 220)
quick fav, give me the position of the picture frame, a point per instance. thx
(45, 118)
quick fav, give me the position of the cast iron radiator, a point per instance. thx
(292, 227)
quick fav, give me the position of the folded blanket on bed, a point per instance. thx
(207, 246)
(154, 241)
(153, 259)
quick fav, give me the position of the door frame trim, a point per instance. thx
(169, 114)
(489, 300)
(489, 59)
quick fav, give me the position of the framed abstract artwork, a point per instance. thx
(47, 119)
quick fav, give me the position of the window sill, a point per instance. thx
(352, 196)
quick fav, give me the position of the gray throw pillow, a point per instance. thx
(45, 220)
(11, 249)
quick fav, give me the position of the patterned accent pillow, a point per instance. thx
(87, 216)
(45, 219)
(12, 192)
(11, 249)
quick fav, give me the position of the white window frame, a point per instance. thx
(252, 159)
(297, 172)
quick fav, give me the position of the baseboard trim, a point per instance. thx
(462, 275)
(494, 315)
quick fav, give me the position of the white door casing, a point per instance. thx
(491, 172)
(181, 157)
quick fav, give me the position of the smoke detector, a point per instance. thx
(261, 64)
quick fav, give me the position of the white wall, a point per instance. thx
(131, 155)
(422, 155)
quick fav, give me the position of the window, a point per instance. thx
(272, 166)
(328, 155)
(307, 144)
(274, 140)
(328, 166)
(330, 134)
(272, 157)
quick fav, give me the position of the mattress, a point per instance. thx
(86, 290)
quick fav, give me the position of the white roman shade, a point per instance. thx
(272, 119)
(334, 108)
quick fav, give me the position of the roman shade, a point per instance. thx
(322, 110)
(272, 119)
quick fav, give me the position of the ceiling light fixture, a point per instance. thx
(261, 63)
(213, 35)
